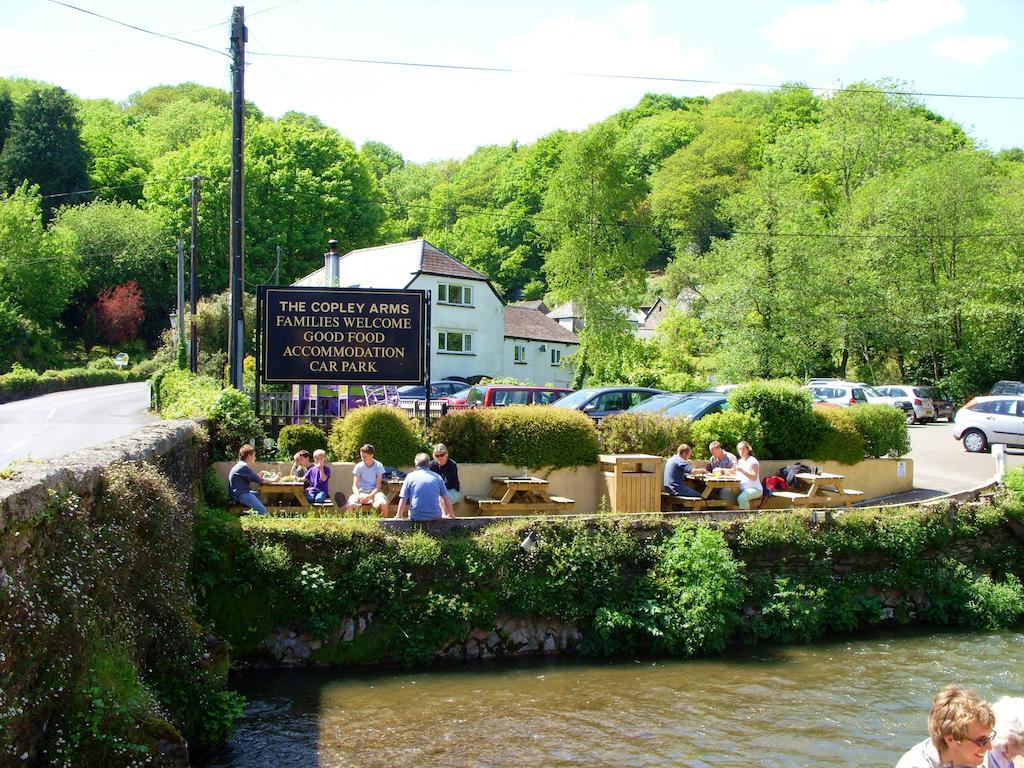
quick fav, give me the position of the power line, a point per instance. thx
(612, 76)
(55, 195)
(137, 28)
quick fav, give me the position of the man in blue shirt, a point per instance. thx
(240, 480)
(423, 494)
(676, 470)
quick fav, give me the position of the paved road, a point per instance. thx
(63, 422)
(941, 465)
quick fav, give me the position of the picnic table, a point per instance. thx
(821, 487)
(289, 489)
(519, 496)
(392, 486)
(711, 483)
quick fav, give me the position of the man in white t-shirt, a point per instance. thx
(367, 481)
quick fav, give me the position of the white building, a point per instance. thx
(473, 332)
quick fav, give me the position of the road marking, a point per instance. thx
(16, 446)
(50, 414)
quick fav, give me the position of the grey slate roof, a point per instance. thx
(523, 323)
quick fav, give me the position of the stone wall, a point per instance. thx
(101, 657)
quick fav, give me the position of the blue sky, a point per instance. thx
(959, 46)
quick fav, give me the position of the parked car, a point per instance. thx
(945, 408)
(698, 406)
(924, 408)
(842, 393)
(438, 389)
(1008, 388)
(496, 395)
(659, 403)
(693, 405)
(598, 402)
(988, 420)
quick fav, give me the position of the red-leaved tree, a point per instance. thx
(119, 312)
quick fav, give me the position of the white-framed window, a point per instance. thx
(455, 342)
(459, 295)
(556, 356)
(520, 354)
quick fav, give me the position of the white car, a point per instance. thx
(844, 393)
(919, 397)
(992, 419)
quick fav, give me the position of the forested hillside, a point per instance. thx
(858, 233)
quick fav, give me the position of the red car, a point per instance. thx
(496, 395)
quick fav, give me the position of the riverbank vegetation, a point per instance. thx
(642, 585)
(779, 227)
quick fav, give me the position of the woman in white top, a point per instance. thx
(748, 470)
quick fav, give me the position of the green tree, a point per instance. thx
(113, 142)
(6, 114)
(116, 243)
(595, 219)
(44, 147)
(38, 269)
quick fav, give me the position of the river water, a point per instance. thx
(852, 703)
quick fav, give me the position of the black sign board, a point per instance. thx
(341, 335)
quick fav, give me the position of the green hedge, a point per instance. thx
(643, 432)
(1015, 482)
(228, 413)
(631, 586)
(728, 428)
(299, 437)
(784, 413)
(838, 437)
(393, 434)
(520, 435)
(883, 428)
(22, 383)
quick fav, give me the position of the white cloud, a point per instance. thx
(835, 29)
(975, 49)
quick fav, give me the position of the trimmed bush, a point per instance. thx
(785, 414)
(299, 437)
(393, 434)
(838, 438)
(643, 432)
(728, 428)
(540, 436)
(21, 382)
(469, 434)
(883, 428)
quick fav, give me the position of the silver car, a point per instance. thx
(992, 419)
(919, 397)
(842, 393)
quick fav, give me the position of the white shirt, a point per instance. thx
(751, 465)
(924, 755)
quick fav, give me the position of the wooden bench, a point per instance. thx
(488, 505)
(689, 502)
(795, 497)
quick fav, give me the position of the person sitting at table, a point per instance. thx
(676, 470)
(748, 470)
(367, 480)
(317, 477)
(424, 494)
(448, 470)
(301, 464)
(240, 480)
(720, 459)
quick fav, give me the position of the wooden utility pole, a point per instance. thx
(236, 333)
(180, 330)
(193, 278)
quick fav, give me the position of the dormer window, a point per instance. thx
(458, 295)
